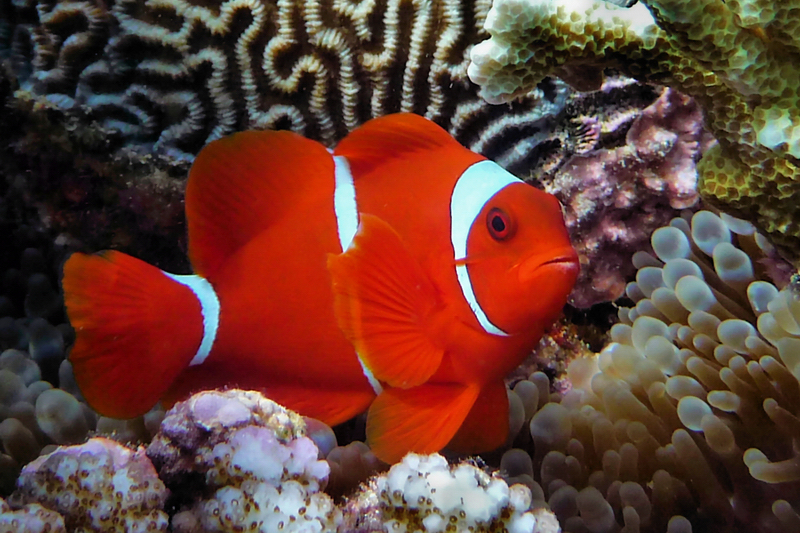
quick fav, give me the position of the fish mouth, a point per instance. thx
(564, 262)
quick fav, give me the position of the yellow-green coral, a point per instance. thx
(740, 59)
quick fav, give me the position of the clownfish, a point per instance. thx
(399, 274)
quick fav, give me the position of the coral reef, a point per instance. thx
(172, 76)
(234, 459)
(424, 493)
(113, 102)
(738, 59)
(688, 419)
(97, 486)
(615, 197)
(32, 518)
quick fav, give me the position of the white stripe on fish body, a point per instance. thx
(345, 207)
(474, 188)
(209, 308)
(344, 202)
(374, 383)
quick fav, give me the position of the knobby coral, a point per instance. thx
(244, 463)
(235, 461)
(424, 493)
(97, 486)
(739, 59)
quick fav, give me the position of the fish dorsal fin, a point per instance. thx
(386, 305)
(242, 183)
(391, 136)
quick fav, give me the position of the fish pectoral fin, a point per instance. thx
(421, 419)
(486, 425)
(385, 305)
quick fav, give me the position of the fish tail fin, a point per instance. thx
(136, 329)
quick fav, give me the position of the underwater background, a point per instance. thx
(666, 399)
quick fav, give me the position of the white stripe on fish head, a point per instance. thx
(474, 188)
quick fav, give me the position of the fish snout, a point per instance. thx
(564, 262)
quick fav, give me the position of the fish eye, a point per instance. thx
(499, 224)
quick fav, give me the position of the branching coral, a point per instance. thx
(739, 59)
(689, 419)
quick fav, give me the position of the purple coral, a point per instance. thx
(32, 518)
(97, 486)
(615, 197)
(237, 460)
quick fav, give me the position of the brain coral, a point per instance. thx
(689, 420)
(172, 75)
(740, 59)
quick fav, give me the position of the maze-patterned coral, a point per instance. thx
(172, 75)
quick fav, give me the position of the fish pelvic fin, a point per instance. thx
(486, 425)
(421, 419)
(385, 305)
(136, 330)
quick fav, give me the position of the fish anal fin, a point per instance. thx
(329, 406)
(486, 426)
(136, 330)
(385, 305)
(422, 419)
(240, 184)
(392, 136)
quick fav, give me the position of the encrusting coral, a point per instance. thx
(615, 197)
(688, 420)
(739, 59)
(32, 518)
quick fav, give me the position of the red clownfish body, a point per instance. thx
(400, 274)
